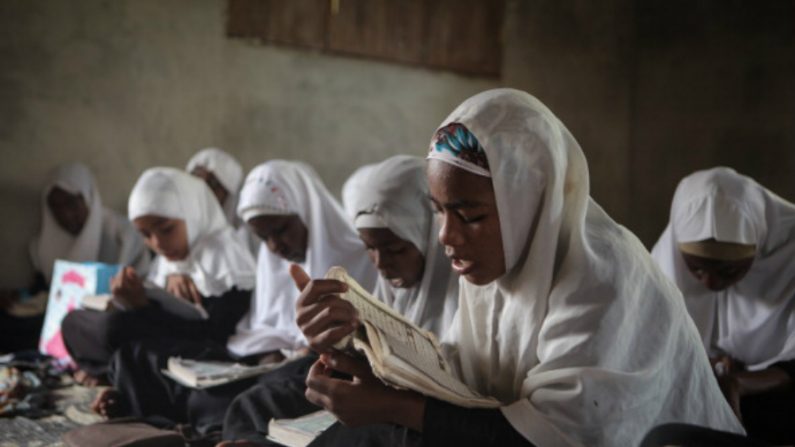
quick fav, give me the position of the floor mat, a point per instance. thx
(72, 405)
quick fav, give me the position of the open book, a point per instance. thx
(175, 305)
(400, 353)
(301, 431)
(97, 302)
(168, 302)
(202, 374)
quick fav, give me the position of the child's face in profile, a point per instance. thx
(716, 274)
(396, 259)
(211, 180)
(69, 210)
(285, 236)
(166, 237)
(470, 225)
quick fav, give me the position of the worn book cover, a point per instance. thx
(202, 374)
(301, 431)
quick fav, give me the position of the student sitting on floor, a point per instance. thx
(563, 316)
(198, 259)
(730, 247)
(395, 221)
(298, 220)
(224, 175)
(286, 204)
(75, 227)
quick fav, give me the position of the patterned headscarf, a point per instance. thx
(456, 145)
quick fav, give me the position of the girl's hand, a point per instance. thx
(363, 399)
(183, 287)
(731, 391)
(322, 315)
(128, 288)
(740, 383)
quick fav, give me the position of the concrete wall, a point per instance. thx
(656, 89)
(577, 58)
(125, 85)
(651, 89)
(715, 85)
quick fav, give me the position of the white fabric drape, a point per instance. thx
(229, 173)
(754, 319)
(281, 187)
(395, 192)
(584, 340)
(217, 261)
(105, 237)
(351, 188)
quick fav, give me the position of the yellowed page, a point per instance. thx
(415, 348)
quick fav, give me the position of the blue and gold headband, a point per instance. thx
(456, 145)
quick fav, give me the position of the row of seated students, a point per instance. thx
(492, 242)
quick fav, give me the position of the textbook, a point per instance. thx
(401, 354)
(202, 374)
(175, 305)
(300, 432)
(97, 302)
(168, 302)
(71, 282)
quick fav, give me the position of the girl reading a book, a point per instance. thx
(563, 316)
(288, 207)
(298, 220)
(395, 221)
(730, 246)
(198, 259)
(75, 227)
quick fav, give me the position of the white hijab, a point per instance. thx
(281, 187)
(754, 319)
(227, 170)
(105, 237)
(216, 260)
(584, 340)
(393, 194)
(351, 188)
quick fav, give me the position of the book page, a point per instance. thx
(404, 339)
(413, 355)
(414, 345)
(96, 302)
(410, 344)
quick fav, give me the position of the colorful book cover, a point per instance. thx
(71, 282)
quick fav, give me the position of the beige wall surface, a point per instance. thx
(714, 85)
(576, 58)
(651, 89)
(125, 85)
